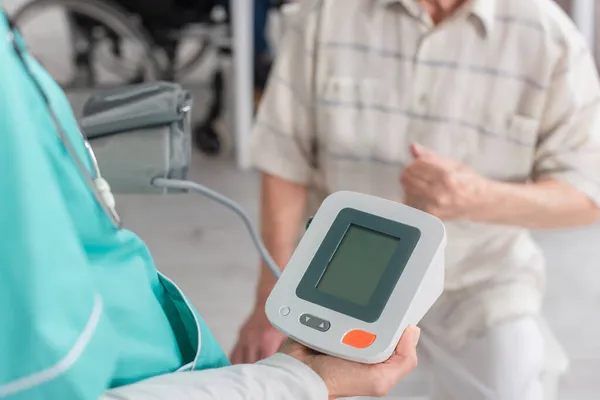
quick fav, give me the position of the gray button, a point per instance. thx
(315, 322)
(323, 326)
(285, 311)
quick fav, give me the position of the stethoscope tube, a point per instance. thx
(99, 187)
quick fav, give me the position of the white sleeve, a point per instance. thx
(279, 377)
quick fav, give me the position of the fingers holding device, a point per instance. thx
(345, 378)
(365, 270)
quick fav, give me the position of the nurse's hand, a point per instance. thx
(443, 187)
(258, 339)
(349, 379)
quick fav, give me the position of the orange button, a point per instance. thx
(359, 339)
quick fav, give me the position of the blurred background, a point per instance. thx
(204, 247)
(587, 16)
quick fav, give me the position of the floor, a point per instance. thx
(206, 250)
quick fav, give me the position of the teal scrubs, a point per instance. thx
(82, 306)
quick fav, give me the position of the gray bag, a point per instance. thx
(138, 133)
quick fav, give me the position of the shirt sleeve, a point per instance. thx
(279, 377)
(54, 337)
(569, 145)
(283, 138)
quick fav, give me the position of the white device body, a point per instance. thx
(419, 286)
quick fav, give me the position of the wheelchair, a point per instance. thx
(104, 34)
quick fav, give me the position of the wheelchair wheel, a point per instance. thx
(197, 39)
(108, 21)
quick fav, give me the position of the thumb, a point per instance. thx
(404, 360)
(420, 151)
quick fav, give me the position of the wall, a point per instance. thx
(566, 4)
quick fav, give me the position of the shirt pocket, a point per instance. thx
(506, 147)
(184, 323)
(348, 117)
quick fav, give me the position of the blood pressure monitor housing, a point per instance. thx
(405, 277)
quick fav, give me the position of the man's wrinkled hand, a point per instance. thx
(258, 339)
(443, 187)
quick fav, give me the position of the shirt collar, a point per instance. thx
(484, 10)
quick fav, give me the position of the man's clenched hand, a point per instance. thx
(443, 187)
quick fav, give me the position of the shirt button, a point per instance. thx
(422, 103)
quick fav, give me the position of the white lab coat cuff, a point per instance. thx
(309, 385)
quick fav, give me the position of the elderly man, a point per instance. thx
(485, 113)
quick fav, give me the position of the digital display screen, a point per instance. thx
(358, 264)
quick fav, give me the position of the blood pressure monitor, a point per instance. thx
(365, 269)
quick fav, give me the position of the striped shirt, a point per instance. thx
(507, 87)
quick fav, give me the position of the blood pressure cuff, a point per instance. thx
(138, 133)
